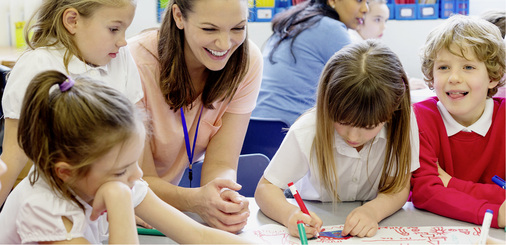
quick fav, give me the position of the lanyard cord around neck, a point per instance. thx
(190, 152)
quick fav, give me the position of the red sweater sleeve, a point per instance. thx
(461, 200)
(478, 190)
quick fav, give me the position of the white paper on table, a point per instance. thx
(277, 234)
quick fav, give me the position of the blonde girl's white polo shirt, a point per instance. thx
(120, 73)
(359, 173)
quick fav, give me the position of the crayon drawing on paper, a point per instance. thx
(277, 234)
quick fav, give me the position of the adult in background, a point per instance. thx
(201, 78)
(303, 40)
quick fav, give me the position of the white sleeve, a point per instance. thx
(41, 220)
(28, 66)
(139, 192)
(415, 143)
(289, 164)
(134, 90)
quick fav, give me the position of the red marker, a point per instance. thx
(297, 197)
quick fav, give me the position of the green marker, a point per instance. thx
(151, 232)
(302, 232)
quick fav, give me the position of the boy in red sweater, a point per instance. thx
(462, 130)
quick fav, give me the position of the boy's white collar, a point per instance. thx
(480, 127)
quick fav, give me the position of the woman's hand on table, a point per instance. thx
(221, 206)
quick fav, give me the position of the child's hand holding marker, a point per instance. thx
(312, 222)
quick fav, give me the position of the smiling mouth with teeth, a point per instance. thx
(216, 53)
(456, 93)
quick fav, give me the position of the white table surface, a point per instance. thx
(407, 216)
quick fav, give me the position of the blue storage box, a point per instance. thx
(406, 11)
(391, 7)
(160, 9)
(462, 7)
(251, 14)
(279, 10)
(264, 14)
(283, 3)
(446, 8)
(428, 11)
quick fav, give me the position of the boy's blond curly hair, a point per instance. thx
(470, 34)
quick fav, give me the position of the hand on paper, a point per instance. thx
(445, 177)
(361, 222)
(220, 205)
(313, 223)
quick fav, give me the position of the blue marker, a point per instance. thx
(500, 182)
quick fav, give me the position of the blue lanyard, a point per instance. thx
(190, 152)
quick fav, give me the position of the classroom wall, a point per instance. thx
(404, 37)
(145, 17)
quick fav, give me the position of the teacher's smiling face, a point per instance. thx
(213, 31)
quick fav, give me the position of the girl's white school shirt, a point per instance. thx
(34, 213)
(359, 173)
(120, 73)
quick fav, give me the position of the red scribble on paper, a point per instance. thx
(399, 235)
(477, 231)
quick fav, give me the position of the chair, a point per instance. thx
(249, 171)
(4, 70)
(264, 135)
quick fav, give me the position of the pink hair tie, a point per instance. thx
(67, 84)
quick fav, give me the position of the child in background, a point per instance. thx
(75, 37)
(462, 130)
(85, 139)
(374, 22)
(498, 18)
(372, 28)
(338, 150)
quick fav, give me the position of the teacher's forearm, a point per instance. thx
(178, 197)
(209, 173)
